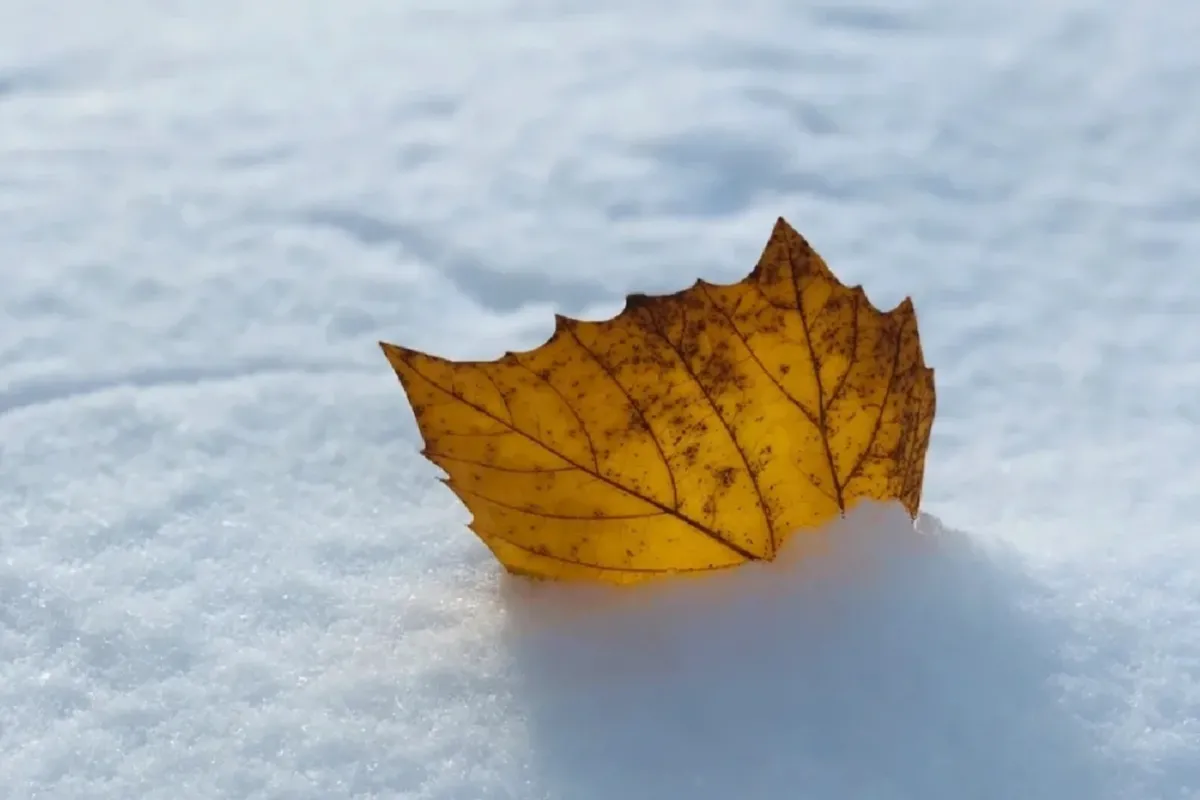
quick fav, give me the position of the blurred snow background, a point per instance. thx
(226, 573)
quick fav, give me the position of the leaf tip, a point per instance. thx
(902, 311)
(395, 354)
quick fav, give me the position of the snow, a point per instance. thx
(226, 572)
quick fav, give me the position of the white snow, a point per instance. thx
(225, 572)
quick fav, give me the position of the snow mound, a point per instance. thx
(877, 659)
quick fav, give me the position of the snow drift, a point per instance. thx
(878, 660)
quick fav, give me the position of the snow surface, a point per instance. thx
(226, 573)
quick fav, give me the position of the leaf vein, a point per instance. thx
(507, 408)
(782, 390)
(638, 410)
(822, 430)
(843, 382)
(574, 412)
(553, 515)
(698, 526)
(517, 470)
(591, 565)
(483, 434)
(687, 367)
(862, 458)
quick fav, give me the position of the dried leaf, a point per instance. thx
(694, 431)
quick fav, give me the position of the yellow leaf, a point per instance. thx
(694, 431)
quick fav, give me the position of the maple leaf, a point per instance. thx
(694, 431)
